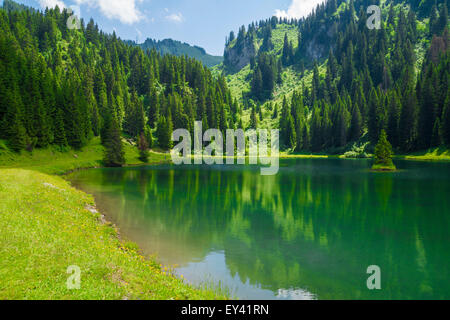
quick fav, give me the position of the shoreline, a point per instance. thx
(57, 166)
(144, 266)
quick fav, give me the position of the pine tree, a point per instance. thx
(408, 121)
(291, 135)
(114, 153)
(342, 125)
(376, 115)
(143, 147)
(275, 112)
(446, 121)
(356, 128)
(434, 25)
(59, 132)
(442, 22)
(393, 118)
(153, 110)
(164, 133)
(287, 51)
(283, 122)
(383, 152)
(436, 139)
(12, 123)
(306, 138)
(253, 119)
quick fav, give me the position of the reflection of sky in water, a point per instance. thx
(214, 266)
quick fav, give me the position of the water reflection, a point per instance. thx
(309, 232)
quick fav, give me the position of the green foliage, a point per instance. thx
(383, 152)
(72, 234)
(143, 147)
(177, 48)
(63, 87)
(114, 153)
(395, 78)
(164, 133)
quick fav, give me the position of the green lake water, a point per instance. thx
(309, 232)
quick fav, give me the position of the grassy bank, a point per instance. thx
(53, 161)
(46, 226)
(436, 154)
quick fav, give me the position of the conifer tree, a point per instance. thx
(59, 132)
(291, 135)
(446, 121)
(356, 126)
(408, 122)
(383, 152)
(253, 119)
(153, 110)
(114, 153)
(143, 147)
(164, 133)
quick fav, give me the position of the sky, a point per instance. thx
(205, 23)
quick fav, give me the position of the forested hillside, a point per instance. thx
(63, 87)
(169, 46)
(328, 80)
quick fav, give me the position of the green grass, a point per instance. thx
(54, 161)
(278, 37)
(46, 227)
(435, 154)
(384, 167)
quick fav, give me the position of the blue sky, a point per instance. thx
(205, 23)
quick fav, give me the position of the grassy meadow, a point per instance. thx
(47, 225)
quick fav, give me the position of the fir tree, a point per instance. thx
(114, 153)
(164, 133)
(383, 152)
(143, 147)
(253, 120)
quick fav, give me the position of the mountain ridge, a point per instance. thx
(327, 57)
(178, 48)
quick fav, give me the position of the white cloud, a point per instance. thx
(125, 11)
(51, 4)
(298, 9)
(175, 17)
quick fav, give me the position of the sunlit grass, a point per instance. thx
(55, 161)
(46, 227)
(435, 154)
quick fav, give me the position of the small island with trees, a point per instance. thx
(383, 155)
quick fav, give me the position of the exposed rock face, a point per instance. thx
(318, 45)
(238, 56)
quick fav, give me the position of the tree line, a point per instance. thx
(63, 87)
(371, 84)
(373, 79)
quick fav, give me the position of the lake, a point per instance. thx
(310, 232)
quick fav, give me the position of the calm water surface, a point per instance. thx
(309, 232)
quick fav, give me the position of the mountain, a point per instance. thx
(331, 83)
(61, 88)
(169, 46)
(328, 82)
(166, 46)
(10, 5)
